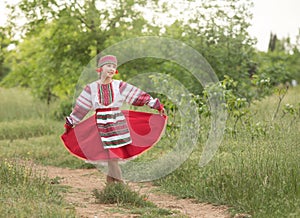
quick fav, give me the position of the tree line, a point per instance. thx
(59, 38)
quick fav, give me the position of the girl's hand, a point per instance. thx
(162, 112)
(68, 125)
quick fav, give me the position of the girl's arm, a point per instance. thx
(137, 97)
(82, 107)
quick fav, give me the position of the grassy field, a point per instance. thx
(255, 171)
(27, 193)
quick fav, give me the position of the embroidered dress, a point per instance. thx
(118, 133)
(112, 128)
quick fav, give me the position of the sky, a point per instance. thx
(277, 16)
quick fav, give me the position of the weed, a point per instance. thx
(121, 194)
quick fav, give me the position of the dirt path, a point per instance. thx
(82, 182)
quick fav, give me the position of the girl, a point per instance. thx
(112, 134)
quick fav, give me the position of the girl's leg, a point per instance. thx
(114, 171)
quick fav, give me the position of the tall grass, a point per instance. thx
(28, 132)
(122, 195)
(45, 150)
(258, 174)
(33, 135)
(255, 171)
(18, 104)
(26, 193)
(24, 129)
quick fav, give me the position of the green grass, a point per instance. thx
(122, 195)
(24, 129)
(18, 104)
(28, 132)
(26, 193)
(37, 140)
(45, 150)
(33, 135)
(255, 171)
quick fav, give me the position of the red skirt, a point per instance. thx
(84, 141)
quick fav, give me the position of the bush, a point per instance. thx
(63, 109)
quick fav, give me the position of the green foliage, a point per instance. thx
(262, 87)
(290, 109)
(274, 66)
(281, 62)
(53, 53)
(238, 108)
(19, 184)
(294, 62)
(50, 64)
(4, 43)
(62, 110)
(22, 116)
(219, 33)
(256, 170)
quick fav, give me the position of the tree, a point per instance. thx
(272, 42)
(294, 61)
(59, 40)
(219, 31)
(281, 62)
(4, 43)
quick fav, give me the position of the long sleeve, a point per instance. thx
(137, 97)
(83, 105)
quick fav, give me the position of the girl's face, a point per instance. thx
(108, 70)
